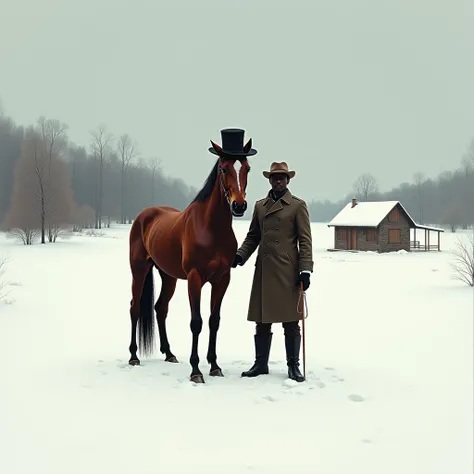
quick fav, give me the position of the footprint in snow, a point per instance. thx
(356, 398)
(269, 399)
(329, 368)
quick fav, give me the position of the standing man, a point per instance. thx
(280, 221)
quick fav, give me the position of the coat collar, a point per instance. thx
(272, 206)
(286, 198)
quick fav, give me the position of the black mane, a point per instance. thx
(206, 190)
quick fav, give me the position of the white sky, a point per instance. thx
(333, 88)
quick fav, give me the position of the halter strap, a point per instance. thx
(226, 192)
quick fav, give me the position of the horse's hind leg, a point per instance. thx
(168, 286)
(217, 295)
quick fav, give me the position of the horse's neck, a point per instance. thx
(218, 218)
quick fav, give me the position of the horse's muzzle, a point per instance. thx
(238, 210)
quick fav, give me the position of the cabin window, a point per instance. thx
(341, 234)
(394, 236)
(371, 235)
(394, 215)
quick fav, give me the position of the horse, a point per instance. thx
(196, 244)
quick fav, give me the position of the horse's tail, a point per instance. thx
(146, 322)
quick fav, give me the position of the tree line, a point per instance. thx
(48, 183)
(447, 200)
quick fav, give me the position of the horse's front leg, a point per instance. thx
(194, 293)
(219, 289)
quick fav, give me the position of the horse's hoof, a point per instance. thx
(172, 359)
(198, 378)
(134, 362)
(216, 373)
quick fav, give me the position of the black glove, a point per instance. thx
(303, 277)
(237, 260)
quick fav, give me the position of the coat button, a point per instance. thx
(264, 254)
(278, 218)
(277, 229)
(277, 241)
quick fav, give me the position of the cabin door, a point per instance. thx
(353, 239)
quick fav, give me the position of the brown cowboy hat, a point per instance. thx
(279, 168)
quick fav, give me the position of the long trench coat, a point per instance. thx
(277, 229)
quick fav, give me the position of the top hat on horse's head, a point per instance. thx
(233, 144)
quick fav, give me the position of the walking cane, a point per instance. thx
(303, 298)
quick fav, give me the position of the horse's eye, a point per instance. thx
(223, 171)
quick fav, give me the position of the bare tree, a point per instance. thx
(53, 134)
(469, 155)
(84, 218)
(41, 190)
(419, 179)
(3, 263)
(26, 234)
(365, 187)
(101, 147)
(464, 261)
(154, 164)
(126, 150)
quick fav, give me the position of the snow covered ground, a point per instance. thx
(389, 365)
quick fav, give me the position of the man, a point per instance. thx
(279, 222)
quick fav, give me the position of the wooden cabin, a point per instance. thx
(380, 226)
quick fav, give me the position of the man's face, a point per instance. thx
(279, 182)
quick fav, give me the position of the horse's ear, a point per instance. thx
(248, 146)
(217, 148)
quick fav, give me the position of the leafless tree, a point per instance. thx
(154, 164)
(365, 187)
(84, 218)
(101, 147)
(26, 234)
(419, 179)
(469, 155)
(127, 151)
(463, 264)
(3, 263)
(41, 190)
(53, 134)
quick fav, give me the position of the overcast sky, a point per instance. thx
(333, 88)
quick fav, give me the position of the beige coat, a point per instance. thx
(277, 229)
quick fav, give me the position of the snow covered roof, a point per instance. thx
(365, 214)
(370, 214)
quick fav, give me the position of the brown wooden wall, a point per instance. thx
(390, 229)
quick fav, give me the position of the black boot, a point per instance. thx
(292, 345)
(263, 343)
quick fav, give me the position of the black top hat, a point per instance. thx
(233, 144)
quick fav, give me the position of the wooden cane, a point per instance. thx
(303, 327)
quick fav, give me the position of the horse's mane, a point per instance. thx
(206, 190)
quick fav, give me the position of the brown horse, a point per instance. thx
(197, 245)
